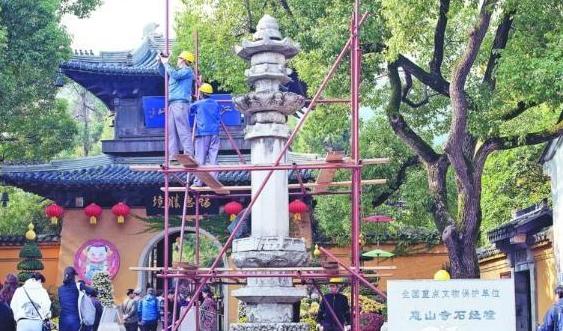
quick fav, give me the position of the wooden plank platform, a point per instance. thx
(207, 178)
(325, 176)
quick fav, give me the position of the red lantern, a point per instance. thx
(93, 211)
(298, 207)
(232, 209)
(54, 212)
(120, 210)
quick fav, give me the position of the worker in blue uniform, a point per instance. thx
(180, 80)
(207, 114)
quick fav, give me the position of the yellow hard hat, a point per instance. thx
(442, 275)
(206, 88)
(336, 280)
(187, 56)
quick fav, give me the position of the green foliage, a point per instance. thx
(208, 250)
(34, 124)
(22, 209)
(30, 250)
(513, 180)
(80, 8)
(102, 283)
(30, 260)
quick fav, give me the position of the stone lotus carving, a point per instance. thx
(283, 102)
(269, 252)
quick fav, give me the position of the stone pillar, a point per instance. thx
(269, 300)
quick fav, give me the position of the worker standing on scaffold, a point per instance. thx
(180, 82)
(207, 114)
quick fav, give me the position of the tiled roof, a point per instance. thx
(529, 218)
(489, 251)
(20, 240)
(142, 61)
(109, 172)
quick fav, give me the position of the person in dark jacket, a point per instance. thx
(207, 124)
(339, 304)
(93, 293)
(69, 319)
(148, 311)
(553, 320)
(7, 320)
(8, 289)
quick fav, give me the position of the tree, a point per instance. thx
(89, 114)
(457, 82)
(482, 104)
(102, 283)
(34, 124)
(30, 256)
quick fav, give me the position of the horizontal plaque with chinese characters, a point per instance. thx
(454, 305)
(154, 202)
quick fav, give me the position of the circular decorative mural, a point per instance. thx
(96, 255)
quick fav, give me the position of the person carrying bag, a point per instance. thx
(31, 306)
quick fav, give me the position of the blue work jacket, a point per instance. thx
(148, 309)
(179, 82)
(207, 114)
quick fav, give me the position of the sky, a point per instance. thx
(118, 25)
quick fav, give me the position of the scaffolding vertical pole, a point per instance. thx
(355, 154)
(166, 164)
(197, 256)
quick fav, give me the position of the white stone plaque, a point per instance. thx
(454, 305)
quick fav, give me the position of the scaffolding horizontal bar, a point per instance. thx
(291, 274)
(261, 167)
(382, 267)
(290, 186)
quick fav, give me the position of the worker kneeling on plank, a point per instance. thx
(180, 82)
(207, 114)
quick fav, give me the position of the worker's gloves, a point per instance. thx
(347, 327)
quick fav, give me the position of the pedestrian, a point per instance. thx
(339, 304)
(553, 318)
(148, 311)
(208, 311)
(207, 123)
(69, 319)
(31, 305)
(93, 294)
(7, 291)
(7, 317)
(180, 82)
(129, 311)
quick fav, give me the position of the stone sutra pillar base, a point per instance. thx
(269, 327)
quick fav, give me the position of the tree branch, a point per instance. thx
(286, 7)
(397, 182)
(398, 123)
(501, 38)
(459, 135)
(520, 108)
(439, 37)
(435, 82)
(249, 17)
(406, 90)
(509, 142)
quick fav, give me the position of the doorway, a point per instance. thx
(523, 298)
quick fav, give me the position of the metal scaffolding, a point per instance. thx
(201, 276)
